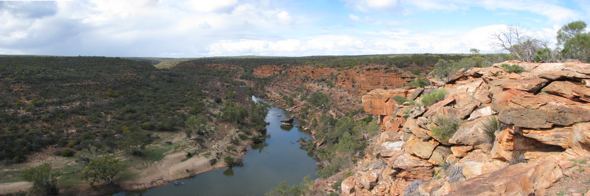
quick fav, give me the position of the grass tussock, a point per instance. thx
(445, 130)
(491, 126)
(436, 96)
(513, 68)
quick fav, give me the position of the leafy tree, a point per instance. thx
(474, 51)
(43, 179)
(105, 169)
(233, 112)
(135, 140)
(575, 41)
(258, 112)
(569, 31)
(197, 123)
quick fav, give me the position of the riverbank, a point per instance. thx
(141, 173)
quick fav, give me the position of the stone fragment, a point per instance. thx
(523, 109)
(519, 179)
(556, 136)
(347, 185)
(461, 151)
(439, 155)
(568, 90)
(411, 125)
(471, 133)
(529, 85)
(419, 148)
(435, 107)
(417, 92)
(467, 110)
(380, 101)
(487, 111)
(445, 189)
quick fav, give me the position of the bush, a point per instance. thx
(400, 100)
(420, 83)
(148, 126)
(67, 152)
(436, 96)
(445, 130)
(491, 127)
(513, 68)
(243, 137)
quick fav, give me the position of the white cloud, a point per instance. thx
(212, 6)
(367, 5)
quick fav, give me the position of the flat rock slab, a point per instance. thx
(527, 110)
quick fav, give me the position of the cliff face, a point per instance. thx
(542, 124)
(344, 87)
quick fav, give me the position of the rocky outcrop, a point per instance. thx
(542, 117)
(380, 102)
(266, 71)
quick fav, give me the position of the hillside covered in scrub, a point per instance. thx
(68, 111)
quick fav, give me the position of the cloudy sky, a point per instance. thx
(202, 28)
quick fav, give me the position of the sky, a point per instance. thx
(207, 28)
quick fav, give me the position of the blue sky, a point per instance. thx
(202, 28)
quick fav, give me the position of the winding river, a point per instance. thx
(278, 159)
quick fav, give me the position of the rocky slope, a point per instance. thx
(542, 138)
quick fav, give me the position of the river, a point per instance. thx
(278, 159)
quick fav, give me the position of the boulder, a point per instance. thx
(368, 180)
(483, 94)
(347, 186)
(556, 136)
(471, 133)
(411, 168)
(472, 168)
(445, 189)
(439, 155)
(562, 75)
(504, 145)
(419, 148)
(461, 151)
(568, 90)
(487, 111)
(389, 149)
(519, 179)
(411, 126)
(393, 123)
(467, 110)
(380, 101)
(417, 92)
(524, 109)
(529, 85)
(417, 111)
(586, 82)
(288, 120)
(455, 75)
(581, 135)
(433, 109)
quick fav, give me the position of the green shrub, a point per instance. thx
(445, 130)
(491, 126)
(148, 126)
(400, 100)
(243, 137)
(420, 83)
(67, 152)
(416, 71)
(29, 108)
(513, 68)
(432, 98)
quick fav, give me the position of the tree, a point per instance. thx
(105, 168)
(569, 31)
(197, 123)
(135, 140)
(233, 112)
(44, 181)
(575, 41)
(474, 51)
(515, 41)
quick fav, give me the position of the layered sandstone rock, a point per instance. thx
(543, 116)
